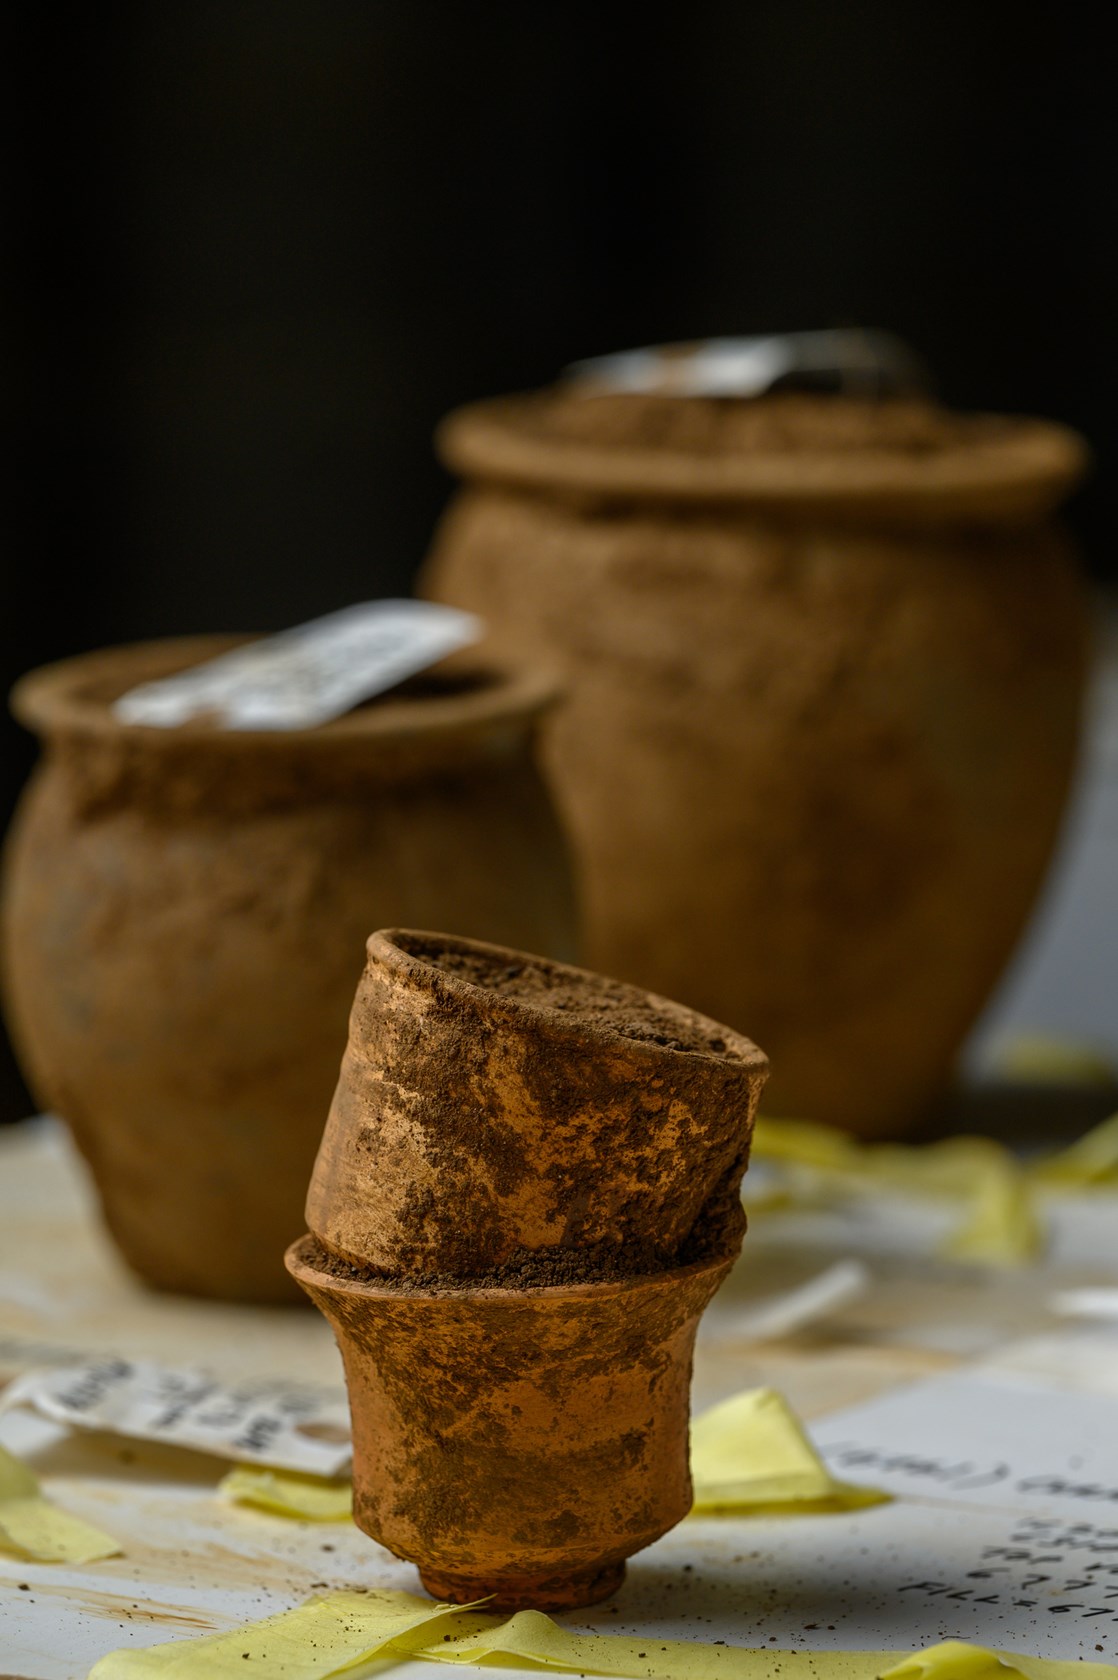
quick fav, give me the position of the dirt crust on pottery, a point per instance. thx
(481, 1129)
(608, 1005)
(722, 1222)
(547, 1440)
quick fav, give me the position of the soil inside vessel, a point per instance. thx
(593, 1000)
(783, 423)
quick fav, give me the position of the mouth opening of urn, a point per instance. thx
(587, 999)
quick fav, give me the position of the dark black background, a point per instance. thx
(259, 246)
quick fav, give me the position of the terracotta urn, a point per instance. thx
(520, 1404)
(185, 919)
(826, 658)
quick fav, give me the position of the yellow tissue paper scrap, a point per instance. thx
(951, 1167)
(323, 1637)
(532, 1640)
(1044, 1059)
(955, 1660)
(349, 1632)
(999, 1226)
(946, 1168)
(33, 1528)
(805, 1143)
(752, 1454)
(288, 1493)
(1092, 1162)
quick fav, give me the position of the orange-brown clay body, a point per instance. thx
(825, 661)
(186, 913)
(517, 1334)
(601, 1126)
(520, 1443)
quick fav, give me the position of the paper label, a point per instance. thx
(850, 359)
(306, 676)
(262, 1422)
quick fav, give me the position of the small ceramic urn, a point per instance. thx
(185, 916)
(527, 1192)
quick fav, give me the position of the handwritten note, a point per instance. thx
(285, 1425)
(981, 1438)
(1004, 1526)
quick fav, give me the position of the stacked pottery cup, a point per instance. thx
(527, 1192)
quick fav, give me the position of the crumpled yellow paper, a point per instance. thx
(752, 1455)
(320, 1638)
(33, 1528)
(956, 1660)
(1089, 1163)
(530, 1639)
(287, 1493)
(805, 1143)
(348, 1632)
(999, 1225)
(1047, 1059)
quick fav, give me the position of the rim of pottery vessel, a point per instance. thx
(1010, 468)
(74, 696)
(386, 947)
(306, 1271)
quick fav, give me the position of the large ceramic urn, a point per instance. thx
(186, 913)
(826, 659)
